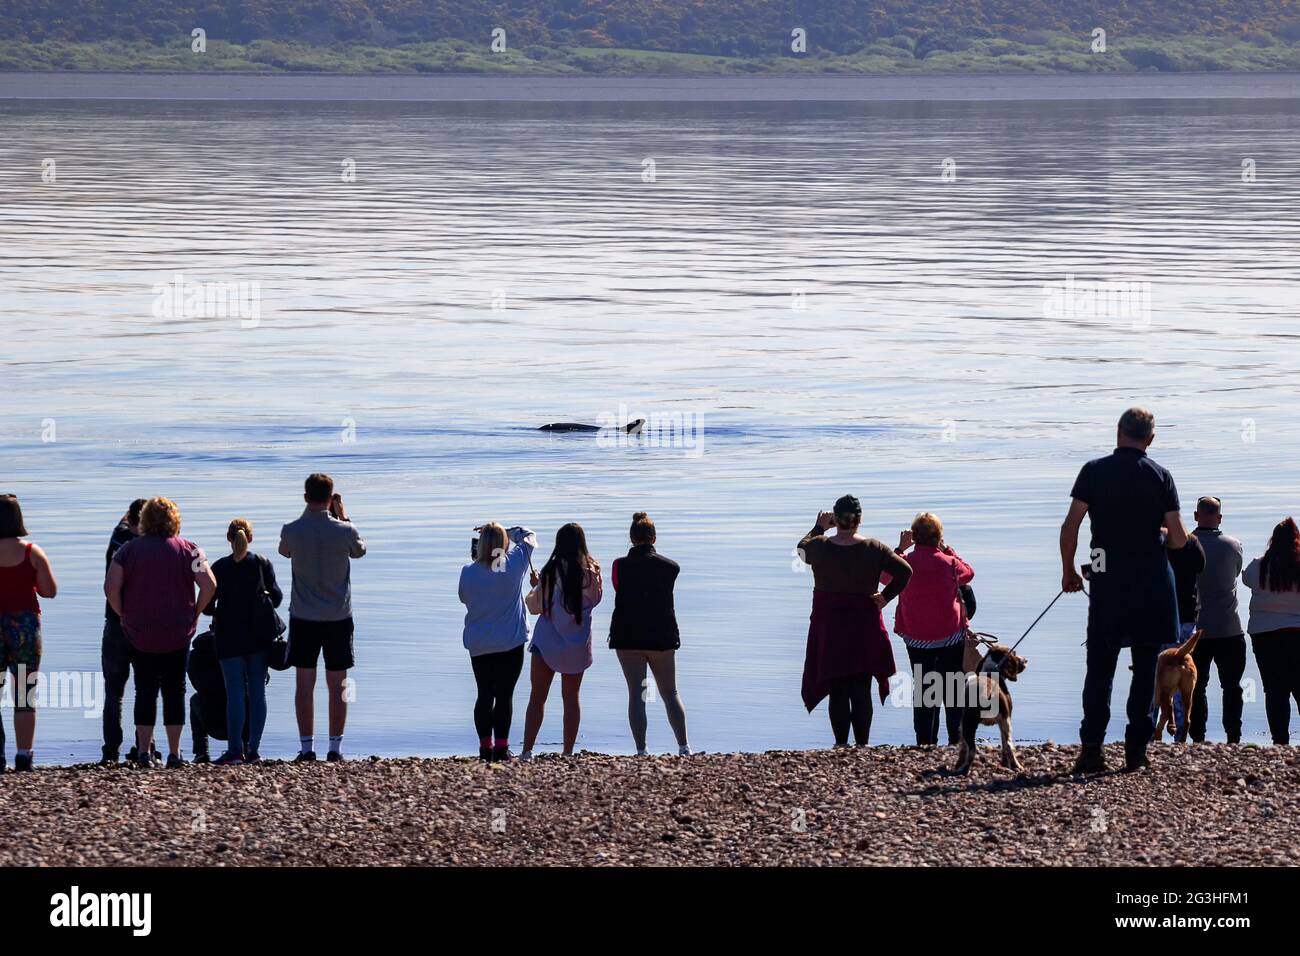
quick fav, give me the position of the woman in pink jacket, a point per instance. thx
(931, 622)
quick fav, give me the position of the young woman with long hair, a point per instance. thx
(568, 587)
(1274, 582)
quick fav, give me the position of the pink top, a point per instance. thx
(929, 609)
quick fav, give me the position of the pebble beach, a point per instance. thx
(1207, 804)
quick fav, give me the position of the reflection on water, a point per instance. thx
(849, 297)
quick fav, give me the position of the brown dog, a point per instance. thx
(1175, 674)
(990, 705)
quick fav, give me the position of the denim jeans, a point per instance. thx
(245, 698)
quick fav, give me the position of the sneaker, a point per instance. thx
(175, 761)
(333, 757)
(252, 757)
(501, 754)
(146, 761)
(307, 756)
(642, 752)
(108, 760)
(485, 754)
(229, 759)
(526, 756)
(22, 762)
(683, 751)
(201, 757)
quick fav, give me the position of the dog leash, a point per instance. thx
(991, 639)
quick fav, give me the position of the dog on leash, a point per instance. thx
(991, 705)
(1175, 674)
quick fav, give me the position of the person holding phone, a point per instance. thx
(932, 625)
(563, 597)
(496, 629)
(847, 641)
(321, 546)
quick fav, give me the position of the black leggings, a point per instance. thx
(1278, 655)
(496, 676)
(850, 706)
(160, 672)
(946, 662)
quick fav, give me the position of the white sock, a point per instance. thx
(336, 744)
(308, 743)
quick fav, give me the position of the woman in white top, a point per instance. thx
(1274, 582)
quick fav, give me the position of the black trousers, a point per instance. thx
(115, 661)
(945, 663)
(496, 676)
(1278, 655)
(850, 707)
(1099, 681)
(160, 673)
(1228, 654)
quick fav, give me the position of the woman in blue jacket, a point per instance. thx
(496, 629)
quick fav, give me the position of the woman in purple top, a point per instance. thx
(151, 585)
(568, 587)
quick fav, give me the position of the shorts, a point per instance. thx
(20, 654)
(20, 640)
(307, 639)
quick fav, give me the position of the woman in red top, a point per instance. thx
(25, 577)
(931, 621)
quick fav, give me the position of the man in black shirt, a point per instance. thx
(1128, 499)
(115, 656)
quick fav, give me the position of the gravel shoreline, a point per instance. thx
(1208, 804)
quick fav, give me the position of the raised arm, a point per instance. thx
(1070, 579)
(965, 573)
(812, 541)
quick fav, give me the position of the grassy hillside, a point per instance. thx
(652, 36)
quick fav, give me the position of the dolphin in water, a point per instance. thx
(631, 428)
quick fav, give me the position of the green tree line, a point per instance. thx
(729, 28)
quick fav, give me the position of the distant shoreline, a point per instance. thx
(451, 87)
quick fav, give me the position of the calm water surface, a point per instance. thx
(798, 277)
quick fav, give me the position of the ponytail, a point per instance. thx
(239, 535)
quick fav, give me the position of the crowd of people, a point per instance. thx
(1152, 583)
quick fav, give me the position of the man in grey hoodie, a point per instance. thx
(1223, 640)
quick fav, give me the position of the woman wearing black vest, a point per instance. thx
(644, 633)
